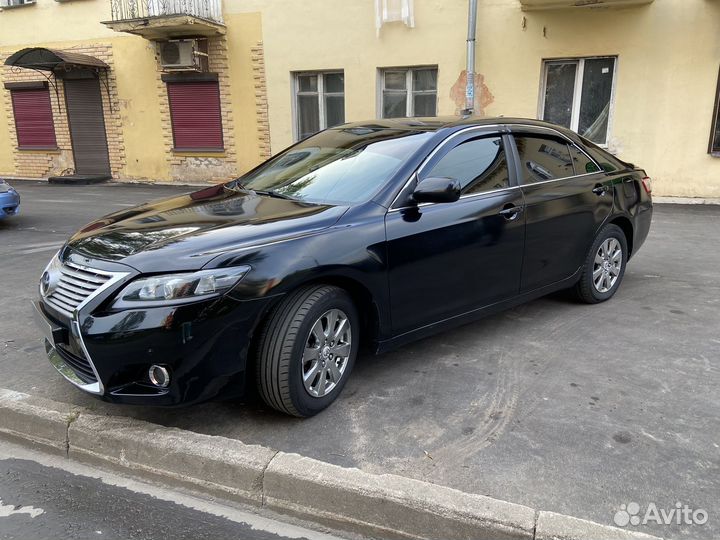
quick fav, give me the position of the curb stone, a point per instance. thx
(403, 507)
(38, 421)
(217, 464)
(685, 200)
(387, 505)
(552, 526)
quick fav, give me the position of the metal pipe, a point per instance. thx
(470, 69)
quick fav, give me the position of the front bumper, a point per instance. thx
(9, 204)
(203, 345)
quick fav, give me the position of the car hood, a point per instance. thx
(185, 232)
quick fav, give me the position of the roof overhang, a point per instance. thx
(532, 5)
(43, 59)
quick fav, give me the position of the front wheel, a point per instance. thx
(604, 266)
(307, 350)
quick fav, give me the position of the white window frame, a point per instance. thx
(409, 92)
(321, 94)
(577, 95)
(10, 4)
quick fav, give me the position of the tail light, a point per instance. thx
(647, 184)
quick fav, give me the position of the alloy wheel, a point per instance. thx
(607, 265)
(326, 353)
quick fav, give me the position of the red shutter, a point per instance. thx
(33, 118)
(195, 113)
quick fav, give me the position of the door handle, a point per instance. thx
(600, 189)
(511, 212)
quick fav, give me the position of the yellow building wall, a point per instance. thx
(669, 54)
(135, 68)
(337, 34)
(668, 59)
(244, 33)
(66, 25)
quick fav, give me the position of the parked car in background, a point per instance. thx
(9, 200)
(379, 232)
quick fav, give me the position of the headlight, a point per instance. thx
(179, 288)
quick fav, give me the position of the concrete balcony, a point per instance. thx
(167, 19)
(533, 5)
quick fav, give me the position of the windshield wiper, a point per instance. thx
(238, 187)
(275, 194)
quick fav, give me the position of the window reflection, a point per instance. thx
(337, 166)
(478, 164)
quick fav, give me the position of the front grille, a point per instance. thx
(76, 284)
(79, 365)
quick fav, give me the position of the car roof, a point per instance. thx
(436, 123)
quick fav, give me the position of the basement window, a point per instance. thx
(579, 94)
(714, 148)
(409, 92)
(319, 102)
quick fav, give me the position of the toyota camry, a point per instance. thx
(370, 233)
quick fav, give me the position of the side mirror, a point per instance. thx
(437, 190)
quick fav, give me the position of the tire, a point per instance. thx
(291, 339)
(586, 289)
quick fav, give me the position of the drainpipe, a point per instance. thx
(470, 69)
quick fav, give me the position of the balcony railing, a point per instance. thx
(125, 10)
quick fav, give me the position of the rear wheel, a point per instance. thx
(604, 266)
(307, 350)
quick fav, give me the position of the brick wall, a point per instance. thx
(41, 164)
(211, 167)
(261, 99)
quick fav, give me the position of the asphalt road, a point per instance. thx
(564, 407)
(45, 497)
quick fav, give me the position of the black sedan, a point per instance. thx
(374, 233)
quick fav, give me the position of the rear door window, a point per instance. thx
(543, 158)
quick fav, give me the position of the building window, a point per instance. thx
(409, 92)
(578, 94)
(33, 118)
(195, 115)
(15, 3)
(319, 101)
(715, 128)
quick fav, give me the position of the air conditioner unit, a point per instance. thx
(184, 55)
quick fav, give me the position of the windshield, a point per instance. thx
(337, 166)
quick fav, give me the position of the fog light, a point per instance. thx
(159, 376)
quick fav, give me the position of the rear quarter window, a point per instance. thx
(606, 160)
(581, 162)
